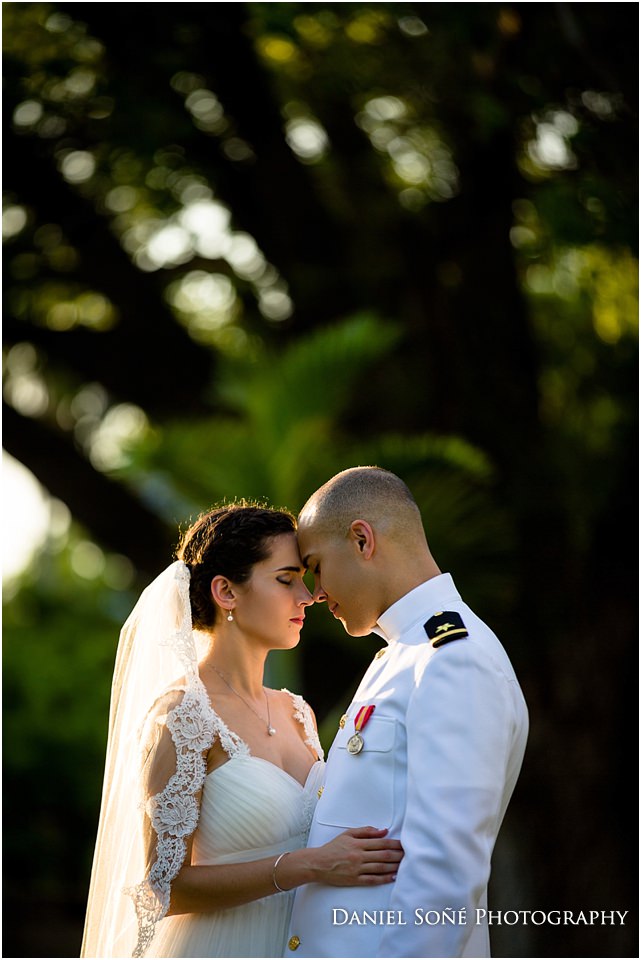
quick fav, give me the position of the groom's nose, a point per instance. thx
(319, 594)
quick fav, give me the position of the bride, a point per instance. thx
(211, 779)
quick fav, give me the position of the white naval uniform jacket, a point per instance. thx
(442, 753)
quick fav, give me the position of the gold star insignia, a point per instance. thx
(445, 626)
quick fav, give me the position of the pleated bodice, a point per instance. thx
(250, 809)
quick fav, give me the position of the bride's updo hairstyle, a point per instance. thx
(227, 541)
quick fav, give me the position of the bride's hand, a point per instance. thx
(361, 856)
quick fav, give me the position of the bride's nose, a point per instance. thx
(306, 598)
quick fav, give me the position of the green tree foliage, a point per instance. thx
(60, 629)
(247, 245)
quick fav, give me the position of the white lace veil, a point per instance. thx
(160, 727)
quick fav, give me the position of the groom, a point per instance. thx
(431, 745)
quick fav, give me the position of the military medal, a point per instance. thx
(356, 743)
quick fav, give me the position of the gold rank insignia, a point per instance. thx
(320, 792)
(379, 653)
(294, 943)
(342, 721)
(444, 627)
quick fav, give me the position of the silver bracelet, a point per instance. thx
(278, 859)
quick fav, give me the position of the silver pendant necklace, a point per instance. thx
(270, 730)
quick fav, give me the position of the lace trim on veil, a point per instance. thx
(174, 811)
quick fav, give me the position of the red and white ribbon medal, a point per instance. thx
(356, 743)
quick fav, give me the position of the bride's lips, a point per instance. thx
(299, 620)
(334, 609)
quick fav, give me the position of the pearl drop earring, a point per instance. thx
(231, 616)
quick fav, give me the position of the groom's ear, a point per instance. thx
(362, 536)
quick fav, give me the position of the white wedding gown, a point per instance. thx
(250, 809)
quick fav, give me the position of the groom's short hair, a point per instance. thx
(362, 493)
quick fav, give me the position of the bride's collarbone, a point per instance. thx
(285, 749)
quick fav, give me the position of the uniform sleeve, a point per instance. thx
(458, 730)
(176, 736)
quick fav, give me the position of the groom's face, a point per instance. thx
(339, 579)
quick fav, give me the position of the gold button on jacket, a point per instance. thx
(294, 943)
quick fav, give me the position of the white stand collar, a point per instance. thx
(417, 606)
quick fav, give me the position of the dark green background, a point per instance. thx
(447, 289)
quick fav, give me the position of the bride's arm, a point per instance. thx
(358, 857)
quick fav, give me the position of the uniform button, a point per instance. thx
(294, 943)
(320, 792)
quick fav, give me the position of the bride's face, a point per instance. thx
(270, 606)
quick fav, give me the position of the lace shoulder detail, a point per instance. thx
(174, 811)
(229, 741)
(303, 714)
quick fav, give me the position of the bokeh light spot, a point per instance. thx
(14, 219)
(78, 166)
(278, 49)
(27, 113)
(87, 560)
(412, 27)
(307, 139)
